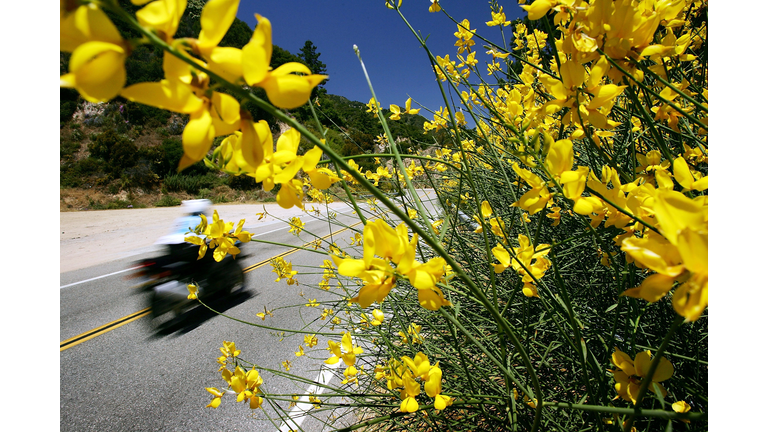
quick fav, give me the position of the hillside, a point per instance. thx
(122, 154)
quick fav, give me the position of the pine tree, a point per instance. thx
(309, 56)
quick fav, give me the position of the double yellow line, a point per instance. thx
(69, 343)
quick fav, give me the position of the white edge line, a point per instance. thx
(268, 232)
(134, 268)
(99, 277)
(299, 412)
(303, 407)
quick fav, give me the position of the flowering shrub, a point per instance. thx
(561, 273)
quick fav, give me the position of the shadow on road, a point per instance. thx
(194, 317)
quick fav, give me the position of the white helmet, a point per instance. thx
(196, 207)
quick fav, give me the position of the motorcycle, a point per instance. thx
(165, 279)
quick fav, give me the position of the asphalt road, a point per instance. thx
(138, 377)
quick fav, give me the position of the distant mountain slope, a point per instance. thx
(121, 145)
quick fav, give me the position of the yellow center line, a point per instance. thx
(69, 343)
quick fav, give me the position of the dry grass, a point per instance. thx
(75, 199)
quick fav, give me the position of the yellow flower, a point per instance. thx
(395, 112)
(681, 255)
(373, 106)
(284, 270)
(221, 239)
(496, 54)
(296, 226)
(285, 89)
(97, 65)
(435, 6)
(499, 18)
(410, 110)
(681, 407)
(464, 35)
(630, 374)
(378, 317)
(555, 216)
(349, 353)
(525, 254)
(538, 8)
(321, 178)
(215, 20)
(163, 16)
(413, 331)
(300, 352)
(312, 303)
(244, 384)
(192, 291)
(185, 90)
(228, 349)
(535, 199)
(686, 179)
(263, 315)
(310, 340)
(216, 401)
(408, 395)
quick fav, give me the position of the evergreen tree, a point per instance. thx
(309, 56)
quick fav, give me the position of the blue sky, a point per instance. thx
(398, 66)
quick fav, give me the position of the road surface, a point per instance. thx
(120, 372)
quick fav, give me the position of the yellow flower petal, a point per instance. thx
(162, 15)
(538, 8)
(87, 23)
(97, 71)
(652, 289)
(198, 135)
(560, 157)
(169, 95)
(286, 90)
(432, 299)
(215, 20)
(604, 95)
(226, 62)
(258, 52)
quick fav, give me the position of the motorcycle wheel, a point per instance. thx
(158, 305)
(238, 277)
(226, 278)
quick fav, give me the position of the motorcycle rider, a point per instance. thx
(180, 266)
(174, 241)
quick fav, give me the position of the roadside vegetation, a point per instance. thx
(560, 284)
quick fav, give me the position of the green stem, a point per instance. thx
(625, 411)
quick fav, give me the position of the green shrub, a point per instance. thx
(68, 148)
(204, 193)
(220, 199)
(67, 104)
(119, 204)
(167, 201)
(172, 150)
(191, 183)
(242, 182)
(81, 173)
(77, 135)
(144, 115)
